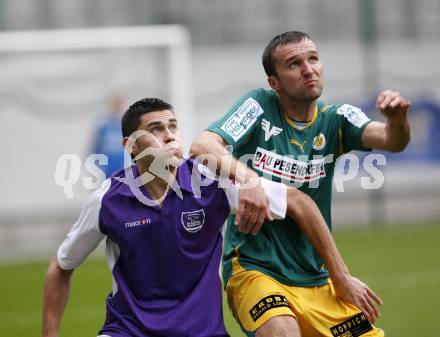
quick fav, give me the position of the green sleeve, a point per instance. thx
(352, 123)
(238, 124)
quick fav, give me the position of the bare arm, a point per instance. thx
(253, 207)
(394, 135)
(56, 294)
(307, 215)
(210, 143)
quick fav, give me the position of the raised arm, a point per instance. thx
(253, 207)
(306, 214)
(394, 134)
(56, 294)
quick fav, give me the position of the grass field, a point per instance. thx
(401, 264)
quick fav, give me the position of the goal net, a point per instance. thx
(54, 87)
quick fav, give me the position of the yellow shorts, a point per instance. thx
(254, 298)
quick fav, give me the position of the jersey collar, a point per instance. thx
(183, 178)
(292, 124)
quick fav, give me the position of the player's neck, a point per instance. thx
(299, 111)
(157, 187)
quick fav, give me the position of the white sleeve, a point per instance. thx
(276, 194)
(85, 235)
(233, 194)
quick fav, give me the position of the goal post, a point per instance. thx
(52, 89)
(175, 38)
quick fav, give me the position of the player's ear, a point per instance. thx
(130, 145)
(274, 83)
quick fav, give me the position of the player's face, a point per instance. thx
(162, 137)
(299, 71)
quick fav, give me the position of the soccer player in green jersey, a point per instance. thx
(276, 282)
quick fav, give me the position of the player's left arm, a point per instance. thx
(394, 134)
(287, 201)
(309, 219)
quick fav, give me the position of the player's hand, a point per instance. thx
(355, 292)
(253, 206)
(392, 105)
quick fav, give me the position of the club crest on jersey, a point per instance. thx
(268, 131)
(193, 221)
(319, 142)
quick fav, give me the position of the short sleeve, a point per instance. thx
(352, 123)
(85, 234)
(237, 125)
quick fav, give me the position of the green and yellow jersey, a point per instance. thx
(278, 149)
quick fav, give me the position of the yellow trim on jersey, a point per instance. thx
(325, 108)
(236, 266)
(292, 124)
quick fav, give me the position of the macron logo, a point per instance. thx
(268, 131)
(137, 223)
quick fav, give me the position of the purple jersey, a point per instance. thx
(164, 261)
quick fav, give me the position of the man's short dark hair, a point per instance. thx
(280, 40)
(131, 118)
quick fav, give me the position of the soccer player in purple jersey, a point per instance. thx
(162, 220)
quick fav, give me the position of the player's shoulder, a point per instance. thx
(328, 108)
(262, 95)
(120, 184)
(260, 102)
(95, 200)
(337, 108)
(348, 113)
(340, 111)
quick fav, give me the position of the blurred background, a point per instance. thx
(69, 68)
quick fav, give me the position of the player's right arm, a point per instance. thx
(253, 207)
(56, 294)
(235, 128)
(82, 239)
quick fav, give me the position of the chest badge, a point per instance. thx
(193, 221)
(301, 146)
(268, 131)
(319, 142)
